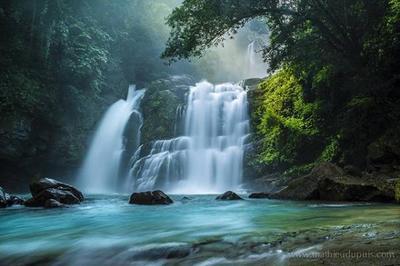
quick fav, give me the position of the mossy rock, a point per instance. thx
(159, 106)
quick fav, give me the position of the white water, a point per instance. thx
(255, 67)
(100, 171)
(208, 157)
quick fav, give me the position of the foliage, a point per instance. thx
(62, 63)
(342, 56)
(287, 123)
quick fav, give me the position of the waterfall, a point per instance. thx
(208, 157)
(101, 168)
(255, 67)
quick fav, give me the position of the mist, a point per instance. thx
(227, 62)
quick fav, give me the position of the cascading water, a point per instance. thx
(100, 171)
(255, 68)
(208, 157)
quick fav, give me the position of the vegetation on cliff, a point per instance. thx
(333, 92)
(62, 63)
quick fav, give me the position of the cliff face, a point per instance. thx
(34, 146)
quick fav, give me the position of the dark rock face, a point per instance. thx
(7, 200)
(259, 195)
(229, 195)
(156, 197)
(329, 182)
(45, 183)
(49, 189)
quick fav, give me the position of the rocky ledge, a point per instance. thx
(331, 183)
(156, 197)
(50, 193)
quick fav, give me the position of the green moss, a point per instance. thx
(285, 121)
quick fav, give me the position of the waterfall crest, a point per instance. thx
(101, 168)
(208, 156)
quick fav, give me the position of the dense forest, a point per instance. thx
(333, 92)
(63, 62)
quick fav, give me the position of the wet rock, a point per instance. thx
(259, 195)
(229, 195)
(15, 200)
(329, 182)
(33, 203)
(49, 189)
(186, 198)
(7, 200)
(46, 183)
(63, 196)
(156, 197)
(3, 198)
(52, 203)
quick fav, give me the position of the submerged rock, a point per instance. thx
(49, 189)
(156, 197)
(229, 195)
(7, 200)
(329, 182)
(186, 198)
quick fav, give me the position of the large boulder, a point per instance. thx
(229, 195)
(7, 200)
(156, 197)
(52, 203)
(45, 183)
(329, 182)
(46, 189)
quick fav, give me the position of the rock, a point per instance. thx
(45, 183)
(63, 196)
(352, 170)
(15, 200)
(186, 198)
(52, 203)
(229, 195)
(7, 200)
(33, 203)
(259, 195)
(329, 182)
(3, 198)
(47, 189)
(156, 197)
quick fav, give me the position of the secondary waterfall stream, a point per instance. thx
(100, 171)
(208, 156)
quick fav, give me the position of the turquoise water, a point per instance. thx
(107, 224)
